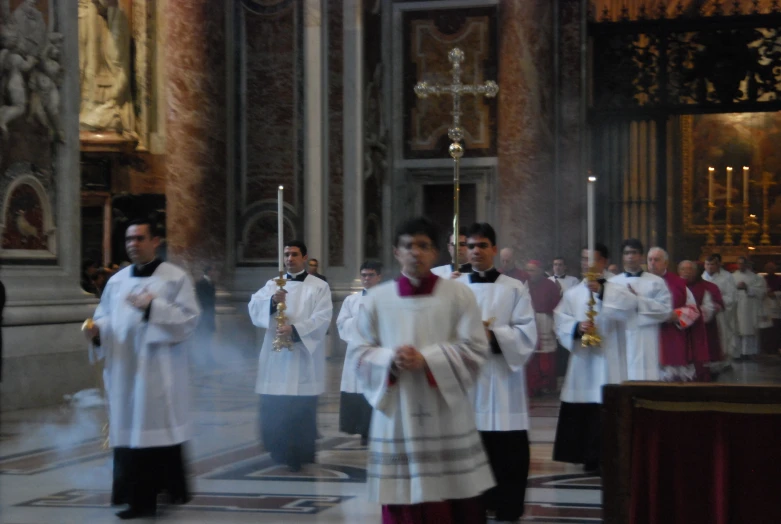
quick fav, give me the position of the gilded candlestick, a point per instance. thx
(282, 341)
(591, 337)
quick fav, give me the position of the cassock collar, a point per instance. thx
(630, 275)
(463, 268)
(485, 277)
(147, 269)
(425, 286)
(363, 293)
(298, 277)
(562, 276)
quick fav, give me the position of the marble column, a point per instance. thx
(353, 135)
(525, 128)
(314, 209)
(196, 128)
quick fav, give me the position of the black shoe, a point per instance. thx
(135, 513)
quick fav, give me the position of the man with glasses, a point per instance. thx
(654, 306)
(499, 397)
(355, 413)
(449, 270)
(422, 344)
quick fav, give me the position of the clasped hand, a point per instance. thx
(140, 300)
(407, 357)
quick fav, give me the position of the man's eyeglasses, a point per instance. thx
(481, 245)
(460, 244)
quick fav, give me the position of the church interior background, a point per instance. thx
(195, 112)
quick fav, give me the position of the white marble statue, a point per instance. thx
(13, 65)
(44, 86)
(104, 58)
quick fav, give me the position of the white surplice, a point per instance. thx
(726, 319)
(654, 306)
(146, 369)
(748, 311)
(423, 445)
(309, 310)
(443, 271)
(499, 396)
(592, 367)
(566, 282)
(346, 323)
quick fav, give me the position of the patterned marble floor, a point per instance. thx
(53, 469)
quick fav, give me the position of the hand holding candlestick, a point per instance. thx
(590, 336)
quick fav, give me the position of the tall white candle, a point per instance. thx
(729, 186)
(280, 229)
(590, 203)
(710, 185)
(745, 186)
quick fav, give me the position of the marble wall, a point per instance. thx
(336, 178)
(525, 128)
(196, 124)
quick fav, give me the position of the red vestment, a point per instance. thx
(672, 339)
(541, 368)
(698, 289)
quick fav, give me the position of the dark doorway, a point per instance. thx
(438, 206)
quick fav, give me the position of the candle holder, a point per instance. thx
(767, 181)
(282, 341)
(728, 226)
(744, 238)
(711, 240)
(591, 337)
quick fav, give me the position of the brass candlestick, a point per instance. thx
(87, 326)
(745, 238)
(728, 226)
(282, 341)
(591, 337)
(711, 241)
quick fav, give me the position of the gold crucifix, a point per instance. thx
(455, 132)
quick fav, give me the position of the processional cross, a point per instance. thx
(455, 132)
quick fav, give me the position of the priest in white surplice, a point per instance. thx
(448, 270)
(579, 428)
(751, 292)
(423, 344)
(355, 412)
(142, 328)
(499, 397)
(560, 276)
(654, 306)
(289, 382)
(715, 274)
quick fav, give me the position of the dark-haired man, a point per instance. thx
(422, 345)
(579, 429)
(450, 270)
(289, 381)
(142, 328)
(654, 306)
(354, 411)
(560, 276)
(313, 268)
(499, 396)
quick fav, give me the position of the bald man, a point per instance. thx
(507, 265)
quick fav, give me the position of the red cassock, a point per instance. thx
(698, 289)
(541, 368)
(681, 347)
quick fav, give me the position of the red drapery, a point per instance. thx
(706, 463)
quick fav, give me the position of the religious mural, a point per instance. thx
(24, 220)
(428, 37)
(731, 140)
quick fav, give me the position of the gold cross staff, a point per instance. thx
(455, 132)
